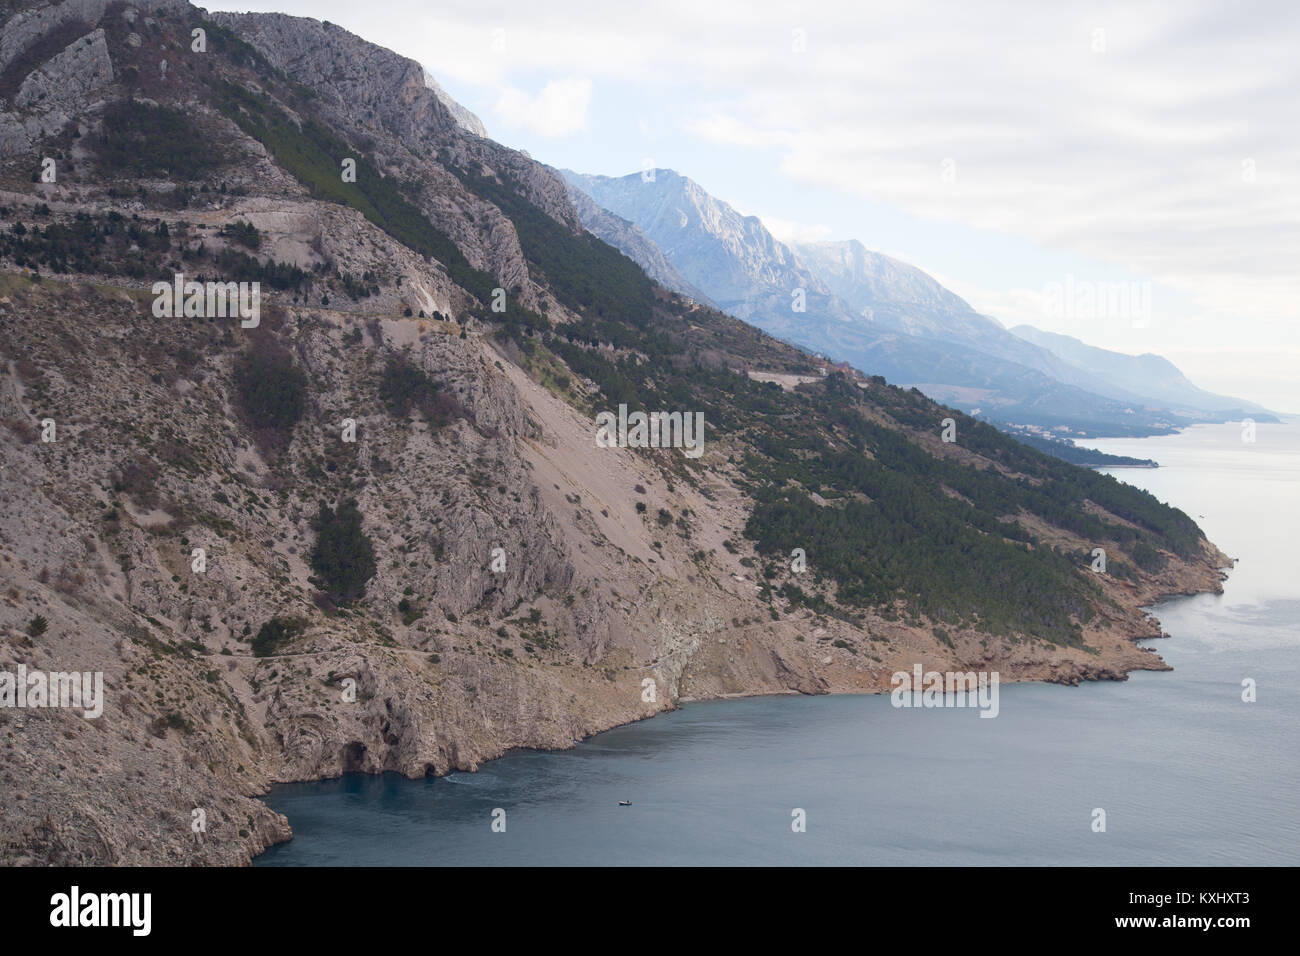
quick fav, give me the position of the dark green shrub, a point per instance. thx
(403, 386)
(140, 139)
(343, 557)
(271, 389)
(244, 233)
(274, 634)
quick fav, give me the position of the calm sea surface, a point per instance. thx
(1186, 771)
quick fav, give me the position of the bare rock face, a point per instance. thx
(537, 654)
(356, 76)
(14, 135)
(83, 67)
(386, 100)
(28, 26)
(464, 118)
(59, 60)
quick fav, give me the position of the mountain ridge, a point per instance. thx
(878, 313)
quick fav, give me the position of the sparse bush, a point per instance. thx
(171, 721)
(136, 478)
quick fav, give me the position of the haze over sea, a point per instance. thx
(1187, 772)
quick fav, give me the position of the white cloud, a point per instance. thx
(558, 110)
(720, 128)
(788, 230)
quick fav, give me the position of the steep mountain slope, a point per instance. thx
(374, 529)
(886, 291)
(383, 100)
(882, 289)
(733, 258)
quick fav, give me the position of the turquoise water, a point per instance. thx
(1187, 773)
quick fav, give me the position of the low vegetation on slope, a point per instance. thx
(847, 475)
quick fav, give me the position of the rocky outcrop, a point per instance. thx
(82, 68)
(376, 91)
(25, 28)
(464, 118)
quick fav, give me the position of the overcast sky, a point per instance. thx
(1012, 150)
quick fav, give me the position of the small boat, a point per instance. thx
(625, 803)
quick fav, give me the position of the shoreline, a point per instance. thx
(1090, 676)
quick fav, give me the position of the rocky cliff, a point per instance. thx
(467, 120)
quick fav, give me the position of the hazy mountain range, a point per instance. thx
(1148, 375)
(885, 316)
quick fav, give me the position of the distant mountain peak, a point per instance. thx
(467, 120)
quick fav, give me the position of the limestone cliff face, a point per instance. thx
(22, 28)
(32, 100)
(82, 68)
(467, 120)
(386, 99)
